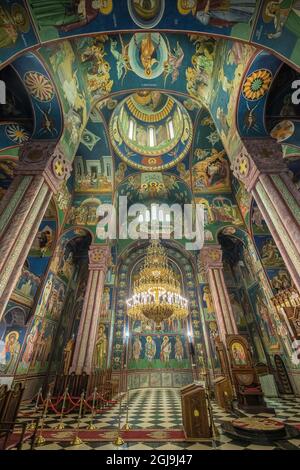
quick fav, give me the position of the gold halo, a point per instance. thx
(13, 333)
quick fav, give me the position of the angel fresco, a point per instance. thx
(218, 13)
(174, 62)
(67, 15)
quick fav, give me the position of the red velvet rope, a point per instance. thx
(75, 404)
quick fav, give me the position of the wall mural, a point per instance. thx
(254, 93)
(34, 76)
(219, 211)
(228, 69)
(146, 14)
(16, 30)
(53, 302)
(93, 163)
(269, 253)
(157, 348)
(274, 25)
(66, 68)
(13, 134)
(210, 167)
(151, 131)
(230, 19)
(282, 116)
(12, 334)
(7, 167)
(278, 28)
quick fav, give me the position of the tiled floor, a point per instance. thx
(161, 409)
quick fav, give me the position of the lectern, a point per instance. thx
(195, 413)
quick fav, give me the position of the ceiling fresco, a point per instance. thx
(151, 131)
(273, 25)
(147, 100)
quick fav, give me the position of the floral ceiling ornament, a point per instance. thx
(241, 166)
(257, 84)
(17, 133)
(39, 86)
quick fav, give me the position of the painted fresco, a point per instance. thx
(12, 333)
(93, 162)
(74, 18)
(157, 187)
(84, 211)
(161, 351)
(43, 97)
(149, 145)
(219, 211)
(54, 307)
(282, 115)
(16, 30)
(268, 251)
(228, 69)
(274, 25)
(26, 287)
(220, 17)
(70, 17)
(270, 256)
(67, 71)
(13, 134)
(146, 14)
(37, 347)
(7, 167)
(263, 317)
(278, 28)
(254, 94)
(101, 347)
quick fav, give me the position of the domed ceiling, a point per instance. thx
(151, 131)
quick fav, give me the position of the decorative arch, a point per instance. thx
(256, 85)
(141, 378)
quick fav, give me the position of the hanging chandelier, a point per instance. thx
(156, 291)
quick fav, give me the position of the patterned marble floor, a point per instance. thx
(161, 409)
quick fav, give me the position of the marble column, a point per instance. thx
(211, 258)
(99, 262)
(263, 171)
(40, 172)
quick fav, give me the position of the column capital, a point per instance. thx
(99, 257)
(45, 159)
(211, 257)
(259, 156)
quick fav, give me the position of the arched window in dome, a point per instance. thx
(171, 132)
(131, 129)
(151, 137)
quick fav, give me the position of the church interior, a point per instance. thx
(117, 116)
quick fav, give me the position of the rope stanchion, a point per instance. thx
(61, 425)
(127, 426)
(119, 441)
(91, 426)
(31, 426)
(40, 439)
(77, 441)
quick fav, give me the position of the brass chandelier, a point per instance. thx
(156, 291)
